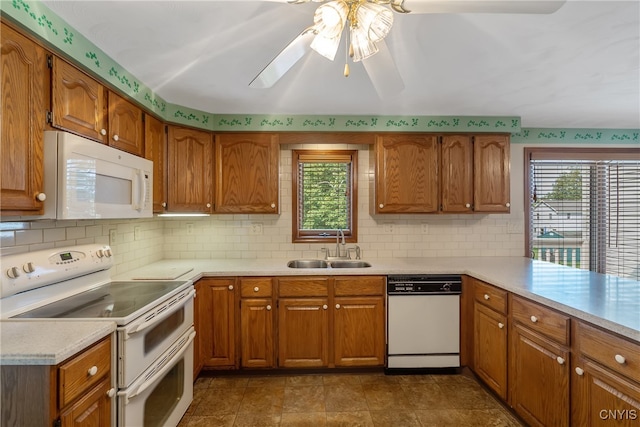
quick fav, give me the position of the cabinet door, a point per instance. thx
(23, 78)
(92, 410)
(490, 348)
(256, 325)
(359, 331)
(155, 148)
(601, 398)
(539, 379)
(78, 102)
(303, 329)
(456, 187)
(491, 173)
(217, 322)
(406, 174)
(126, 129)
(190, 170)
(247, 173)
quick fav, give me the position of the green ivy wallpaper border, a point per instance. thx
(46, 25)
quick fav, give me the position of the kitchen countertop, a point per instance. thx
(49, 342)
(608, 301)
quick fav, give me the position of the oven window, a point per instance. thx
(157, 334)
(165, 397)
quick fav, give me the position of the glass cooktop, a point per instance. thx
(114, 300)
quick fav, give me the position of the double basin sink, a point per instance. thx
(321, 263)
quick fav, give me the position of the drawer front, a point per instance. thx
(348, 286)
(303, 287)
(491, 296)
(541, 319)
(83, 371)
(256, 287)
(616, 353)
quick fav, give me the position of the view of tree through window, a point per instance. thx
(324, 194)
(584, 211)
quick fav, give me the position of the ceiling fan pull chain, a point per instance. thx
(347, 51)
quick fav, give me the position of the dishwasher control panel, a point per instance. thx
(424, 284)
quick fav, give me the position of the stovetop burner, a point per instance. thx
(112, 300)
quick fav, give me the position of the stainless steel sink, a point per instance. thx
(347, 263)
(308, 263)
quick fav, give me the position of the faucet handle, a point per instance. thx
(358, 252)
(326, 252)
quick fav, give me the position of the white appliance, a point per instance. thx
(84, 179)
(154, 363)
(423, 322)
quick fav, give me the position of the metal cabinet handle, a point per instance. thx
(325, 306)
(273, 205)
(620, 359)
(103, 132)
(116, 138)
(534, 319)
(164, 204)
(256, 289)
(208, 205)
(41, 197)
(560, 360)
(111, 392)
(381, 205)
(92, 371)
(580, 371)
(468, 205)
(337, 306)
(486, 296)
(500, 325)
(230, 287)
(508, 205)
(268, 307)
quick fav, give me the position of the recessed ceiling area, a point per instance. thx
(576, 68)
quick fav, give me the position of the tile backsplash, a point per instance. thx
(269, 236)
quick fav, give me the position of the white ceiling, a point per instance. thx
(578, 67)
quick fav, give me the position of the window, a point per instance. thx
(324, 195)
(584, 208)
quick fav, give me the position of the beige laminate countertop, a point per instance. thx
(47, 342)
(607, 301)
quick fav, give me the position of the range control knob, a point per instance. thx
(446, 287)
(108, 253)
(13, 272)
(100, 253)
(29, 267)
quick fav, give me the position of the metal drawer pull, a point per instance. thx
(337, 306)
(92, 371)
(111, 392)
(534, 319)
(256, 289)
(486, 296)
(500, 325)
(620, 359)
(324, 307)
(230, 287)
(580, 371)
(560, 360)
(268, 307)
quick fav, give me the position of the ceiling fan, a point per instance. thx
(366, 23)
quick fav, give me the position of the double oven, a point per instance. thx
(154, 346)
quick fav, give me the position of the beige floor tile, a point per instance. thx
(425, 396)
(393, 418)
(211, 421)
(304, 399)
(338, 379)
(381, 397)
(304, 380)
(307, 419)
(229, 382)
(262, 400)
(267, 382)
(257, 420)
(339, 398)
(441, 418)
(349, 419)
(378, 378)
(225, 402)
(490, 418)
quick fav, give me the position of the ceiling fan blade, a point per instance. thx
(383, 72)
(482, 6)
(283, 62)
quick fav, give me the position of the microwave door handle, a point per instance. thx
(160, 373)
(142, 190)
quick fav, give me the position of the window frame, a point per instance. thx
(300, 236)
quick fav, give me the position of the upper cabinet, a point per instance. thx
(426, 173)
(247, 173)
(155, 149)
(84, 106)
(24, 76)
(189, 170)
(406, 176)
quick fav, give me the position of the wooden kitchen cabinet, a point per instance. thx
(539, 363)
(217, 322)
(247, 173)
(198, 319)
(490, 348)
(78, 102)
(406, 174)
(257, 317)
(126, 125)
(189, 170)
(456, 188)
(24, 80)
(155, 149)
(359, 321)
(64, 395)
(491, 173)
(303, 322)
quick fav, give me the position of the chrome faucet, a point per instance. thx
(338, 233)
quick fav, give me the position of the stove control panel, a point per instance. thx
(31, 270)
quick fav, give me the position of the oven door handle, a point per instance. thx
(145, 385)
(157, 319)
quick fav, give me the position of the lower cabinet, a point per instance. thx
(490, 350)
(216, 322)
(257, 323)
(303, 330)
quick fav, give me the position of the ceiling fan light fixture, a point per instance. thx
(325, 46)
(362, 46)
(375, 19)
(330, 18)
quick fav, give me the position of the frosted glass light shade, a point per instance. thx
(325, 46)
(375, 20)
(361, 45)
(330, 18)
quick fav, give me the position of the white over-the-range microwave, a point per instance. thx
(84, 179)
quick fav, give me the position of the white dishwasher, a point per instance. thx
(423, 321)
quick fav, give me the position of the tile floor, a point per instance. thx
(371, 399)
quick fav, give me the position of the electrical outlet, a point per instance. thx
(256, 228)
(113, 237)
(190, 229)
(137, 233)
(424, 228)
(388, 228)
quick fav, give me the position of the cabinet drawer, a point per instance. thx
(303, 287)
(541, 319)
(347, 286)
(616, 353)
(78, 374)
(490, 296)
(256, 287)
